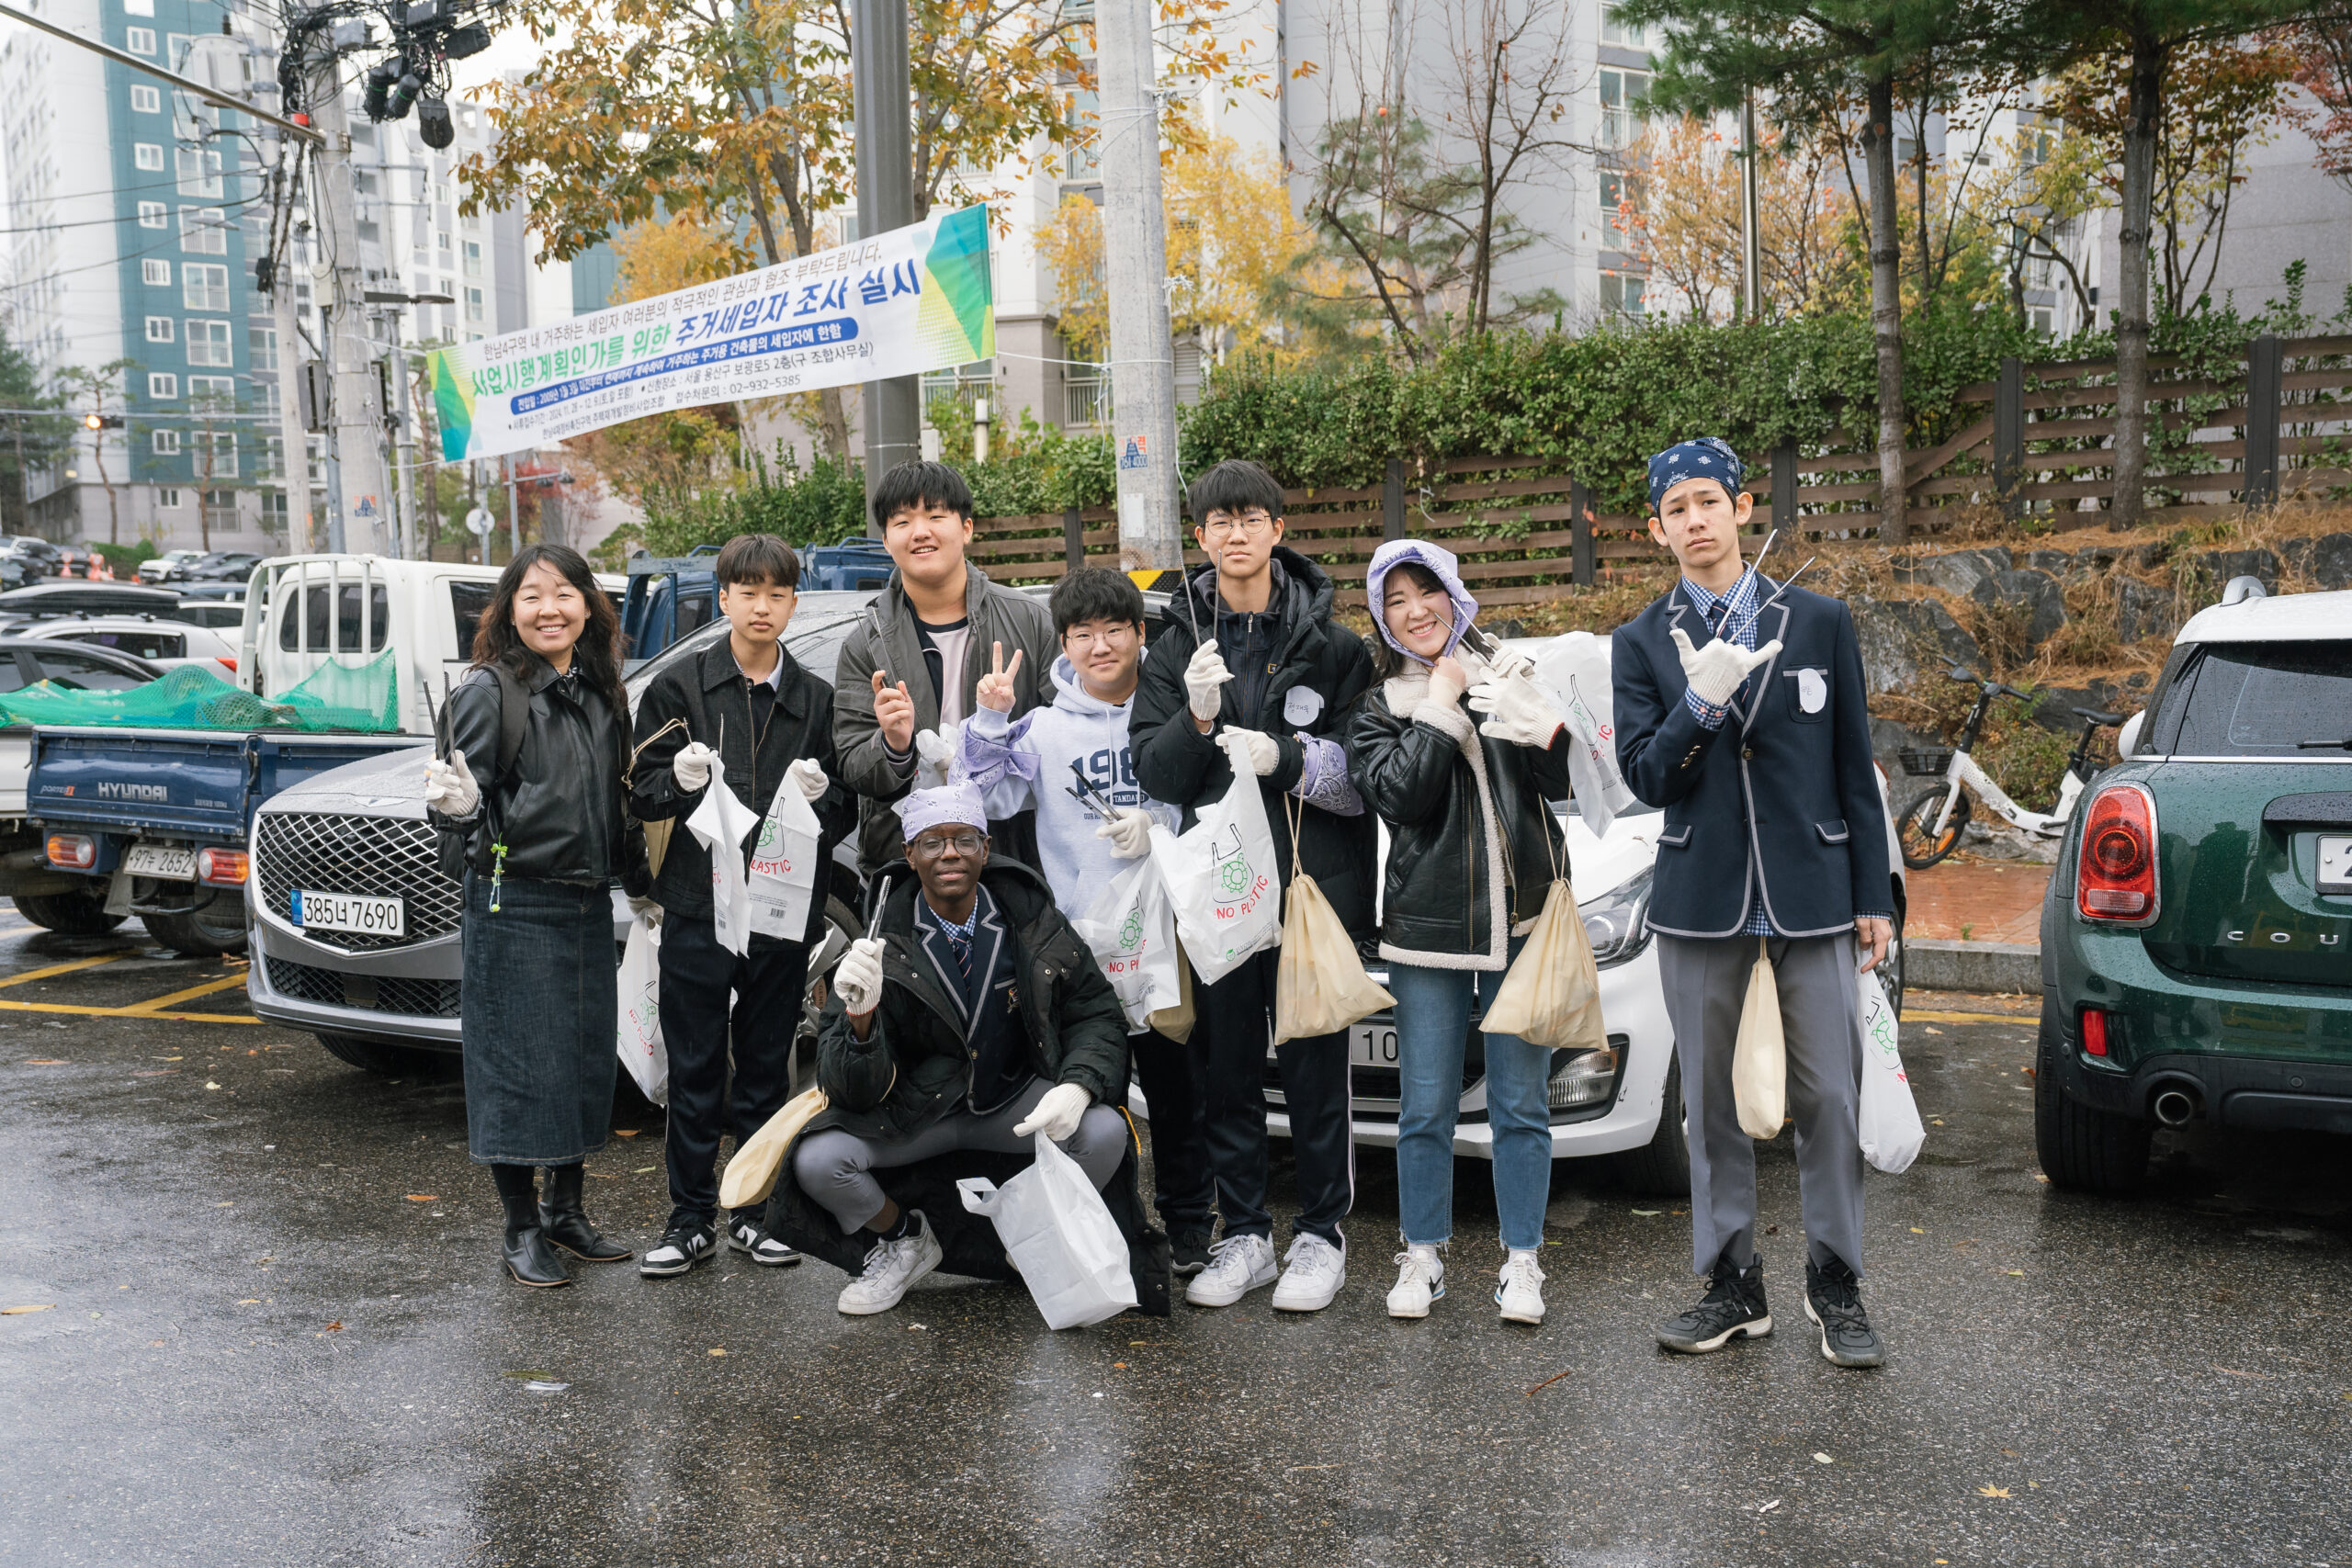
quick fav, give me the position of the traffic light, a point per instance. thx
(102, 422)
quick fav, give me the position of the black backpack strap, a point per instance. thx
(513, 717)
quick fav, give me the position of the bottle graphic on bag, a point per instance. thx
(1233, 879)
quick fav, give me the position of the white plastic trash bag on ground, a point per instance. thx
(1132, 930)
(721, 822)
(1059, 1233)
(782, 877)
(641, 1050)
(1221, 882)
(1576, 671)
(1889, 1119)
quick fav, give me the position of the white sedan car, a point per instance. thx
(157, 640)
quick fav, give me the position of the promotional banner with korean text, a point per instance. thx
(909, 300)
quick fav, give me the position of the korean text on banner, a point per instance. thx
(908, 301)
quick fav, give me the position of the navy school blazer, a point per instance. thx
(1786, 789)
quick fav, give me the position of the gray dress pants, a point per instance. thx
(1706, 980)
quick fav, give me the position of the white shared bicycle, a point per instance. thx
(1931, 826)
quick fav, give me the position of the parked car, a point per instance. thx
(220, 566)
(374, 996)
(160, 641)
(20, 605)
(2196, 932)
(157, 568)
(39, 557)
(58, 900)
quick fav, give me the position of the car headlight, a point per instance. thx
(1618, 921)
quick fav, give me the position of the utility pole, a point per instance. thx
(356, 431)
(404, 449)
(301, 536)
(1751, 269)
(886, 200)
(513, 514)
(1135, 256)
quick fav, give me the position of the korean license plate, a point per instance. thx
(163, 862)
(349, 913)
(2336, 863)
(1369, 1046)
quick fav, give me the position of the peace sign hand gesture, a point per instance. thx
(995, 690)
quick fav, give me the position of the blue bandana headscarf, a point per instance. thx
(1705, 459)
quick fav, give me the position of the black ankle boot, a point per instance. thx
(529, 1256)
(566, 1223)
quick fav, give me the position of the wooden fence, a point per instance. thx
(2042, 447)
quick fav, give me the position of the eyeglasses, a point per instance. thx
(931, 846)
(1253, 524)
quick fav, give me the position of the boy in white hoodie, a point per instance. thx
(1025, 764)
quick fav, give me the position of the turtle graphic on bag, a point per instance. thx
(1233, 876)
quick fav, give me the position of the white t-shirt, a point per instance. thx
(950, 644)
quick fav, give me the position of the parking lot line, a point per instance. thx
(60, 969)
(1921, 1014)
(187, 996)
(142, 1011)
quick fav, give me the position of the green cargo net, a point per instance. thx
(335, 697)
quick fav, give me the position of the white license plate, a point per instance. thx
(1369, 1046)
(2336, 863)
(349, 913)
(162, 861)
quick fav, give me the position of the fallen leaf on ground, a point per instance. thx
(2014, 1273)
(1823, 1458)
(44, 1306)
(1767, 1507)
(209, 1085)
(423, 1197)
(249, 1300)
(1646, 1213)
(1118, 1366)
(1917, 1231)
(1992, 1491)
(335, 1327)
(643, 1170)
(624, 1132)
(718, 1350)
(47, 1062)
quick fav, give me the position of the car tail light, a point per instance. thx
(2115, 880)
(73, 851)
(222, 868)
(2094, 1031)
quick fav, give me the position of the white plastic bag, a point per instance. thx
(641, 1050)
(1059, 1233)
(1220, 880)
(1132, 930)
(782, 877)
(1759, 1057)
(721, 823)
(1576, 671)
(1889, 1120)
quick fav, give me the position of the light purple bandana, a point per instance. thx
(958, 803)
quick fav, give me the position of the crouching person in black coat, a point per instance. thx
(977, 1020)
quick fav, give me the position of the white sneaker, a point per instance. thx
(1521, 1294)
(890, 1267)
(1237, 1265)
(1312, 1274)
(1420, 1280)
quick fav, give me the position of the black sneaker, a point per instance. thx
(744, 1235)
(1732, 1307)
(681, 1248)
(1833, 1299)
(1188, 1253)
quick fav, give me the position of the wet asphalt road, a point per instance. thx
(275, 1332)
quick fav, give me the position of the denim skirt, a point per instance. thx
(540, 1011)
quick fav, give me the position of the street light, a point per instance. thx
(381, 296)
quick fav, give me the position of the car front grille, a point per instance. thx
(378, 993)
(391, 857)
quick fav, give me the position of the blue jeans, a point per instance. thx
(1432, 1020)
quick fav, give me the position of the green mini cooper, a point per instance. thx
(2196, 937)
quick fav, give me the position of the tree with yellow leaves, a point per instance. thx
(1679, 209)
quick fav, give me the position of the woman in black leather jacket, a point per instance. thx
(1472, 849)
(534, 777)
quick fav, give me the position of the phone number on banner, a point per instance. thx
(816, 334)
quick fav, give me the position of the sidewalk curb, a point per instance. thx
(1932, 965)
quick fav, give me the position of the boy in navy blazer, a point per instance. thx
(1740, 711)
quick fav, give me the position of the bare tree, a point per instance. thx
(75, 383)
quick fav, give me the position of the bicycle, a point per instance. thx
(1931, 826)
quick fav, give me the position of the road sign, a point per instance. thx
(481, 522)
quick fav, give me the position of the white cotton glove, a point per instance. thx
(1517, 711)
(449, 786)
(858, 976)
(692, 766)
(1203, 677)
(1130, 833)
(935, 755)
(1057, 1114)
(1715, 671)
(645, 909)
(1252, 750)
(807, 776)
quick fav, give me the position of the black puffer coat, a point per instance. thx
(913, 1070)
(1325, 664)
(558, 809)
(1454, 886)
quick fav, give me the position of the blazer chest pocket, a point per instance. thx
(1808, 694)
(1675, 837)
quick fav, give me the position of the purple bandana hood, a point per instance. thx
(1441, 563)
